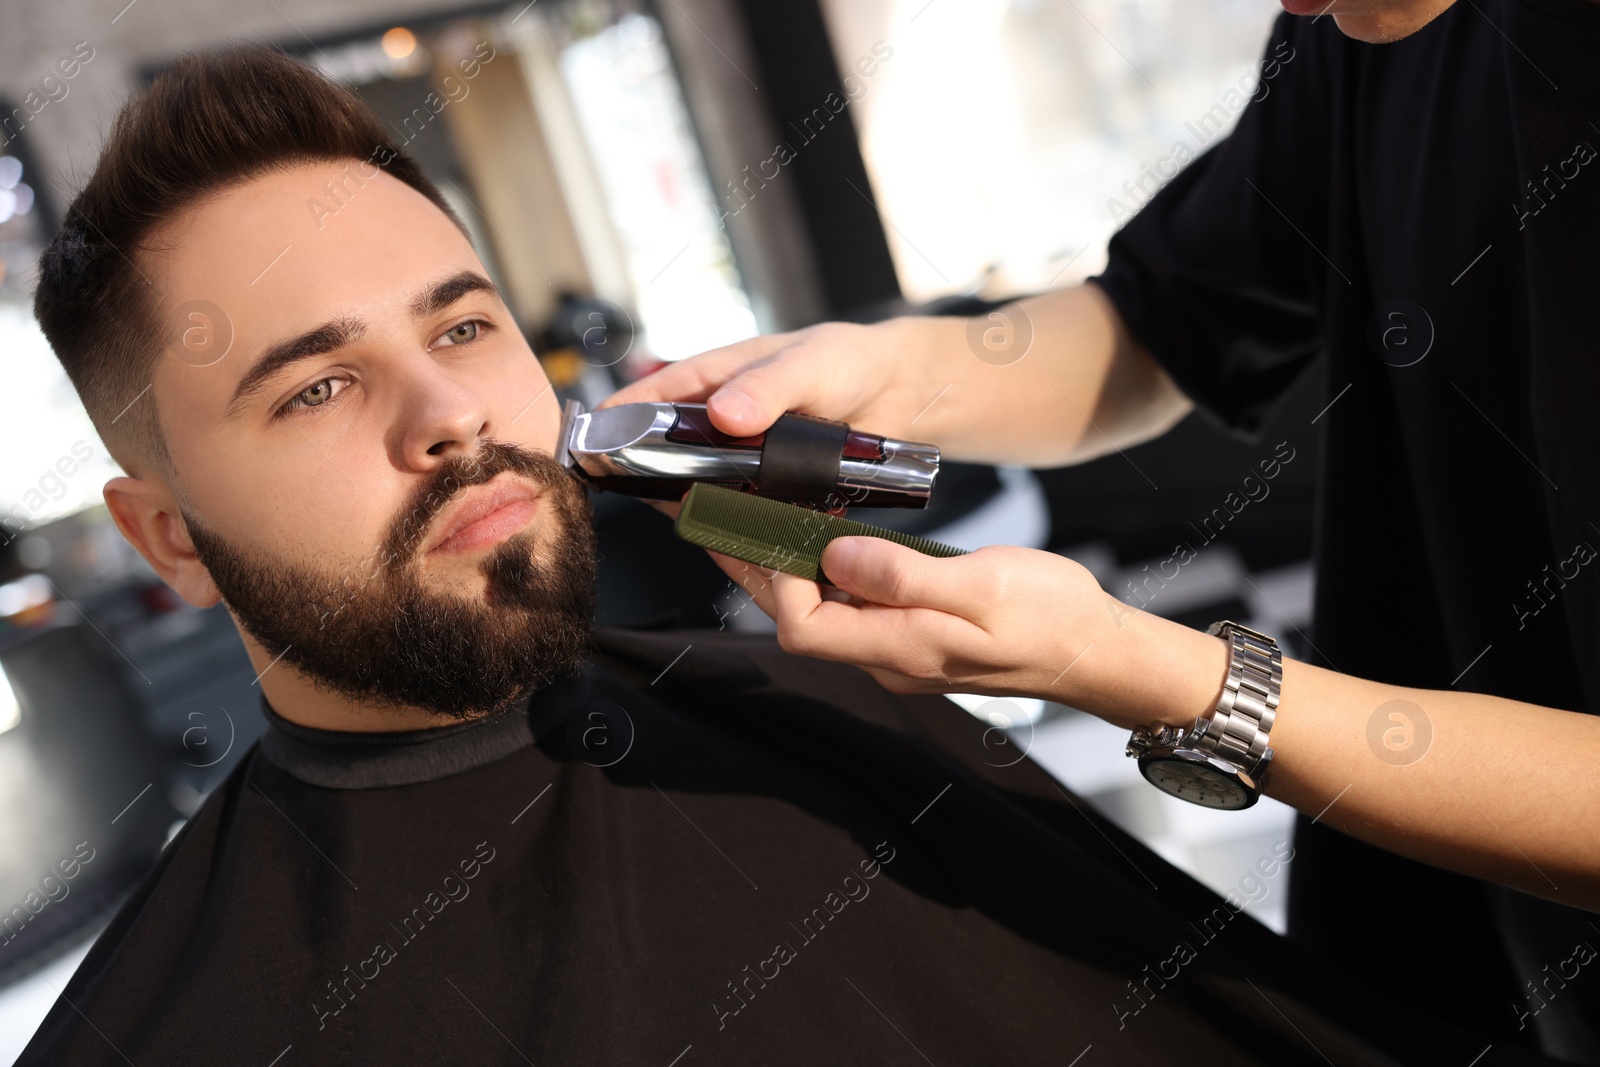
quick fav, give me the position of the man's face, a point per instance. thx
(1374, 21)
(361, 439)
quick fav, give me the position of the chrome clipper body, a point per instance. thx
(657, 451)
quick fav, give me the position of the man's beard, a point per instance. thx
(373, 633)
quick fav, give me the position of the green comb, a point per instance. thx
(776, 535)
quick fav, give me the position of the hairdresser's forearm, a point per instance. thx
(1494, 788)
(1082, 388)
(1504, 790)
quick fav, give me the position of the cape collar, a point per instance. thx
(342, 759)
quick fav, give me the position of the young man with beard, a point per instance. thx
(477, 832)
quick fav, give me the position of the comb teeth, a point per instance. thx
(776, 535)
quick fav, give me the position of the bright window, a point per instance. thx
(1007, 139)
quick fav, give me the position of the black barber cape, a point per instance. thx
(697, 851)
(1427, 215)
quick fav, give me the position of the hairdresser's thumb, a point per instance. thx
(883, 572)
(735, 411)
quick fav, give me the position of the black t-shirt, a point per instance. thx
(697, 851)
(1426, 214)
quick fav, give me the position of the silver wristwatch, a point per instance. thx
(1221, 761)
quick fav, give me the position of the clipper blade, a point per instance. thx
(569, 418)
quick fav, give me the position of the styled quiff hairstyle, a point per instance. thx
(210, 122)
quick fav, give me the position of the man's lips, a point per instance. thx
(486, 515)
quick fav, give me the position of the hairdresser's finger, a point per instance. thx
(751, 584)
(803, 376)
(692, 380)
(906, 642)
(880, 571)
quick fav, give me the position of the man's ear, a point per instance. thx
(147, 514)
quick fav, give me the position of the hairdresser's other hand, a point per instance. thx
(1003, 621)
(877, 378)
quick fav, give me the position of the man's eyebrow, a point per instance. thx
(337, 333)
(442, 294)
(331, 335)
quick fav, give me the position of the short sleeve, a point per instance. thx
(1219, 274)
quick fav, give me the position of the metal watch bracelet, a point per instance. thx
(1237, 730)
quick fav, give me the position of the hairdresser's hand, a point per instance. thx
(1003, 621)
(877, 378)
(1047, 381)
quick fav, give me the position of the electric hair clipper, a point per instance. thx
(658, 451)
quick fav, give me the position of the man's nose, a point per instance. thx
(439, 415)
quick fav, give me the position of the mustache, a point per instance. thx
(458, 474)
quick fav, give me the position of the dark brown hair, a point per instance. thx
(210, 122)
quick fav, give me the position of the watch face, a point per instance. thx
(1198, 783)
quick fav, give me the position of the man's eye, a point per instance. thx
(314, 396)
(460, 334)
